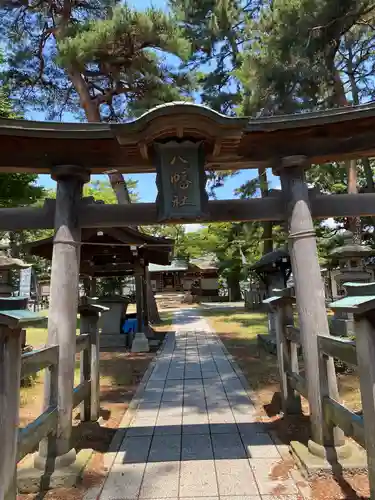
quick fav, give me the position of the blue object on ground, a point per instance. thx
(129, 325)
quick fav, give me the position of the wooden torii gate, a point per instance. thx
(180, 141)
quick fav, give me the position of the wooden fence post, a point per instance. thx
(10, 378)
(90, 361)
(365, 341)
(360, 301)
(138, 275)
(85, 376)
(286, 357)
(145, 299)
(45, 458)
(11, 324)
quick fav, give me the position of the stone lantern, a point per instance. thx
(6, 265)
(350, 258)
(274, 269)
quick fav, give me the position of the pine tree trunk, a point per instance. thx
(123, 198)
(117, 180)
(267, 225)
(355, 95)
(351, 165)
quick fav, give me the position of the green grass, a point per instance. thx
(238, 329)
(37, 337)
(167, 317)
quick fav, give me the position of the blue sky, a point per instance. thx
(147, 187)
(146, 182)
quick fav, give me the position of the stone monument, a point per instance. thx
(350, 257)
(274, 269)
(7, 264)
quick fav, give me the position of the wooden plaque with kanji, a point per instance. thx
(181, 181)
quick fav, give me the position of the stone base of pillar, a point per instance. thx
(140, 343)
(32, 480)
(41, 462)
(314, 459)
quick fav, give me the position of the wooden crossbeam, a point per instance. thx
(138, 214)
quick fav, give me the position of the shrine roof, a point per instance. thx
(230, 143)
(268, 260)
(205, 264)
(174, 266)
(108, 252)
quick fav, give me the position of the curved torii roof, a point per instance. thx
(230, 142)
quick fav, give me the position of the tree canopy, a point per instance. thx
(103, 60)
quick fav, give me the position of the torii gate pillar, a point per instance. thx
(310, 298)
(62, 318)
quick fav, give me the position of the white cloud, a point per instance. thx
(191, 228)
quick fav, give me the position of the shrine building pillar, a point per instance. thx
(310, 299)
(145, 298)
(138, 277)
(62, 317)
(93, 287)
(140, 341)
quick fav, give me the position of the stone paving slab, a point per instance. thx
(124, 481)
(161, 480)
(165, 449)
(195, 434)
(235, 477)
(272, 477)
(228, 447)
(198, 479)
(196, 448)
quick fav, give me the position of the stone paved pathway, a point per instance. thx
(195, 433)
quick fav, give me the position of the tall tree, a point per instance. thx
(16, 189)
(216, 30)
(97, 59)
(289, 60)
(297, 59)
(101, 60)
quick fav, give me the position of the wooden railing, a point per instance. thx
(360, 354)
(14, 366)
(334, 412)
(31, 363)
(48, 358)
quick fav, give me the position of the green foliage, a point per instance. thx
(289, 58)
(102, 191)
(108, 39)
(16, 189)
(100, 60)
(216, 32)
(105, 61)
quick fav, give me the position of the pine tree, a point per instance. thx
(216, 31)
(15, 189)
(100, 59)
